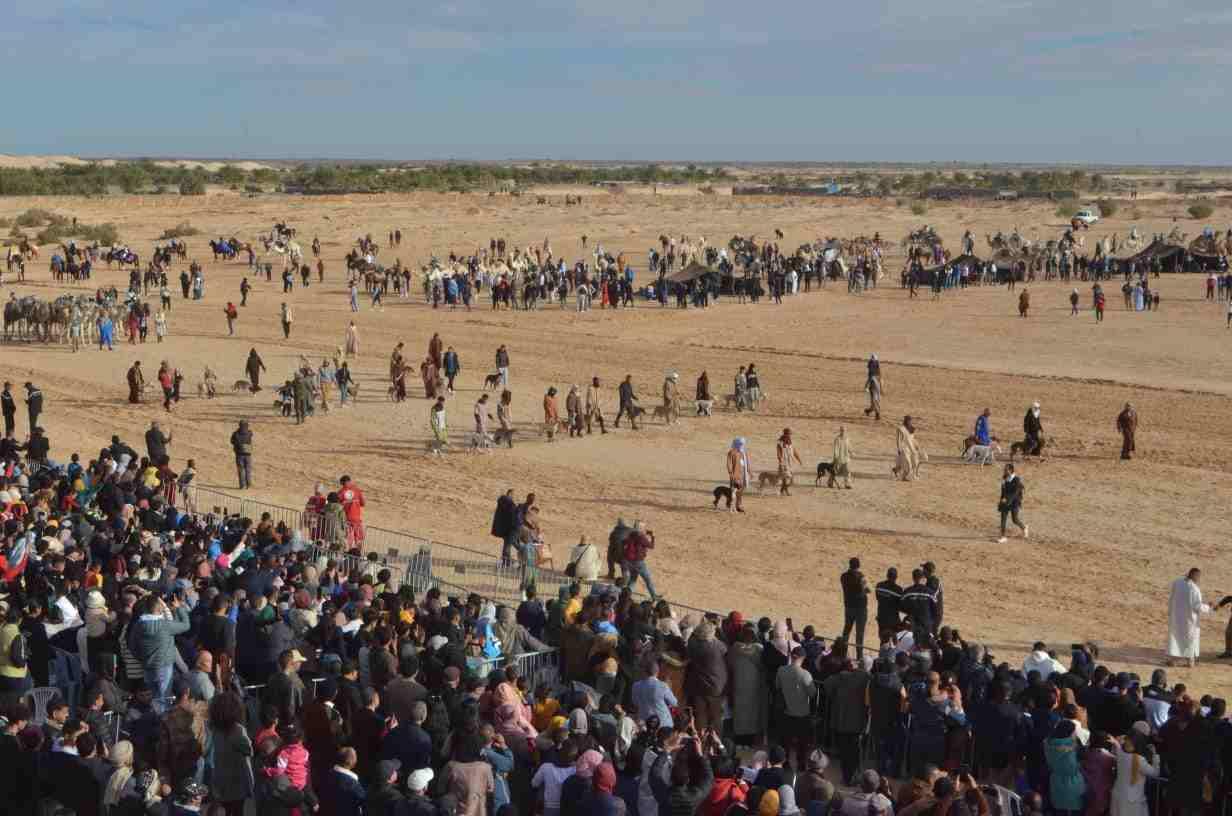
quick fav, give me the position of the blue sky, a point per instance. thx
(1133, 81)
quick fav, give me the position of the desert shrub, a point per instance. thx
(1200, 210)
(919, 208)
(192, 185)
(1066, 211)
(103, 234)
(37, 218)
(898, 202)
(1107, 207)
(706, 190)
(253, 188)
(180, 230)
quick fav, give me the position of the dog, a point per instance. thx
(241, 385)
(659, 412)
(982, 454)
(768, 477)
(824, 469)
(1020, 448)
(491, 382)
(704, 407)
(778, 233)
(722, 492)
(971, 441)
(730, 401)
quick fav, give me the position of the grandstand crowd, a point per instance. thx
(156, 661)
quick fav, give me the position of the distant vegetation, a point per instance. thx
(151, 178)
(919, 208)
(1200, 210)
(1107, 207)
(180, 230)
(1066, 211)
(56, 228)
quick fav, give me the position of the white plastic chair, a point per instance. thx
(40, 698)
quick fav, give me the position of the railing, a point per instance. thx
(413, 560)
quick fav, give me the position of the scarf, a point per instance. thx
(122, 759)
(506, 629)
(587, 763)
(604, 778)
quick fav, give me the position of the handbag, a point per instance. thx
(571, 567)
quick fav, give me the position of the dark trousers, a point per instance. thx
(626, 409)
(10, 424)
(857, 617)
(848, 755)
(1011, 513)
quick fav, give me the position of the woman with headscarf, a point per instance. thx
(575, 791)
(603, 800)
(747, 687)
(120, 784)
(907, 464)
(513, 637)
(1136, 762)
(469, 778)
(1066, 784)
(738, 472)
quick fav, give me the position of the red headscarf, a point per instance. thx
(604, 778)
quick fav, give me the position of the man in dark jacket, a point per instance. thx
(253, 368)
(285, 689)
(156, 443)
(705, 678)
(628, 402)
(341, 793)
(855, 604)
(505, 526)
(1000, 733)
(846, 702)
(409, 743)
(1011, 502)
(889, 599)
(682, 788)
(402, 692)
(616, 548)
(34, 403)
(919, 604)
(8, 406)
(241, 445)
(384, 798)
(38, 447)
(934, 585)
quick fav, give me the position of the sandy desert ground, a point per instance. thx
(1107, 537)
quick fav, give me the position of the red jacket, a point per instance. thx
(352, 502)
(724, 794)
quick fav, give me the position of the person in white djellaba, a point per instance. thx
(1184, 610)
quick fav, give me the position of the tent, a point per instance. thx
(690, 273)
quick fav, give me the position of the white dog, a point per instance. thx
(982, 454)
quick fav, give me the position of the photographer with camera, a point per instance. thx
(152, 640)
(681, 776)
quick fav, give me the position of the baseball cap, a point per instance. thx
(387, 768)
(418, 780)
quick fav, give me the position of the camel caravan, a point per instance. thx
(66, 319)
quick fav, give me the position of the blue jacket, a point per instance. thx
(982, 434)
(341, 795)
(409, 744)
(152, 638)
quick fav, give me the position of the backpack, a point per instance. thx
(631, 547)
(19, 651)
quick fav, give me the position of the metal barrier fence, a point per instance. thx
(539, 668)
(415, 560)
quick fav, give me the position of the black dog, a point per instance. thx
(491, 381)
(824, 469)
(722, 492)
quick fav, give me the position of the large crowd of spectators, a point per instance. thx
(225, 665)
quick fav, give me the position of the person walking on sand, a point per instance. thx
(873, 386)
(351, 343)
(502, 365)
(1024, 302)
(231, 312)
(840, 465)
(136, 383)
(286, 320)
(1012, 492)
(160, 325)
(628, 402)
(786, 453)
(1073, 303)
(1185, 608)
(241, 445)
(593, 412)
(353, 294)
(738, 472)
(245, 288)
(1127, 425)
(254, 367)
(504, 417)
(907, 464)
(440, 427)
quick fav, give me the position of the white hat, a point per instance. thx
(5, 497)
(418, 780)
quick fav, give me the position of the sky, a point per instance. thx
(1084, 81)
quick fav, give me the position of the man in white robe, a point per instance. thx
(1184, 609)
